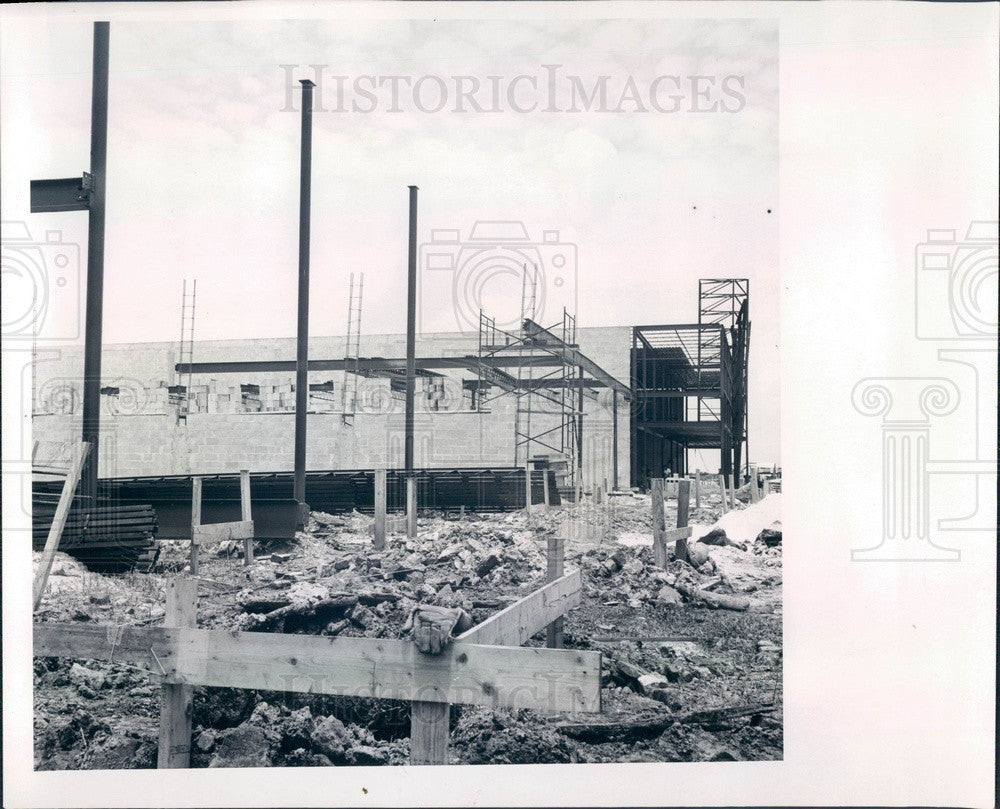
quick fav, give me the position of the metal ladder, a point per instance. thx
(522, 413)
(352, 351)
(186, 346)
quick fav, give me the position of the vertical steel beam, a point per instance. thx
(614, 438)
(95, 258)
(411, 330)
(579, 428)
(302, 339)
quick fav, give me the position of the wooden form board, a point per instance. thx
(467, 673)
(523, 619)
(222, 531)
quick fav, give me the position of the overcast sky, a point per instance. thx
(203, 169)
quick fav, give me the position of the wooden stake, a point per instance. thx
(59, 521)
(545, 487)
(659, 523)
(722, 489)
(732, 491)
(411, 507)
(176, 700)
(683, 502)
(380, 488)
(697, 489)
(195, 521)
(527, 486)
(247, 514)
(555, 558)
(429, 732)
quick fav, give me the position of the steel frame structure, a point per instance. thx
(690, 381)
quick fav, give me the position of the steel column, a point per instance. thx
(302, 344)
(614, 438)
(95, 258)
(411, 331)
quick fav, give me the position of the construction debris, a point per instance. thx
(678, 643)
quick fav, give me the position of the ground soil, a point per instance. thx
(682, 681)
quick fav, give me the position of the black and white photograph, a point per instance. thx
(426, 387)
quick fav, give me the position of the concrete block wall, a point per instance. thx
(141, 434)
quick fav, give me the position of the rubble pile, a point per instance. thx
(691, 651)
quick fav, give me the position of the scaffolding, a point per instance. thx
(352, 352)
(548, 394)
(691, 384)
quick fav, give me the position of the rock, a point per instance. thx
(336, 627)
(205, 741)
(625, 671)
(488, 564)
(100, 598)
(666, 697)
(770, 537)
(243, 746)
(450, 552)
(82, 676)
(280, 558)
(367, 756)
(649, 682)
(123, 754)
(362, 616)
(297, 729)
(669, 596)
(330, 737)
(445, 593)
(717, 536)
(342, 564)
(697, 553)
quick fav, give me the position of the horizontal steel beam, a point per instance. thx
(67, 194)
(573, 356)
(364, 364)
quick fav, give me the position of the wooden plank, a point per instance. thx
(128, 644)
(683, 502)
(523, 619)
(527, 485)
(380, 494)
(195, 522)
(222, 532)
(722, 487)
(674, 534)
(473, 674)
(429, 732)
(556, 553)
(545, 488)
(59, 522)
(247, 515)
(697, 489)
(411, 507)
(659, 522)
(494, 676)
(177, 701)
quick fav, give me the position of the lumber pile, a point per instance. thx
(110, 539)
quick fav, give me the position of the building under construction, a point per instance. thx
(601, 406)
